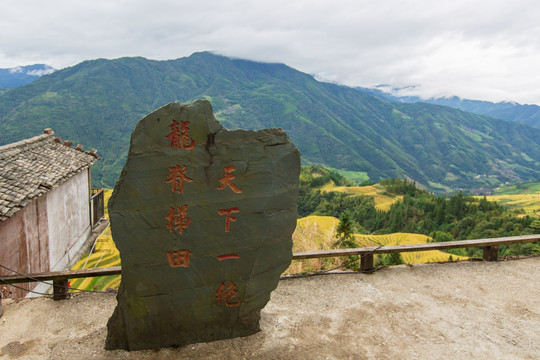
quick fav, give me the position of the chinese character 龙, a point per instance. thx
(185, 141)
(180, 137)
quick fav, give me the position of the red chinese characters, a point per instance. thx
(177, 219)
(176, 178)
(179, 258)
(228, 217)
(227, 294)
(228, 257)
(227, 179)
(180, 138)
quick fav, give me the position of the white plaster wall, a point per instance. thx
(68, 213)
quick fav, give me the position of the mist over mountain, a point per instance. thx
(97, 103)
(22, 75)
(506, 110)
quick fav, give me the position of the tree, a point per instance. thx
(345, 235)
(345, 227)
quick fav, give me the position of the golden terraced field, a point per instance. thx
(105, 254)
(519, 197)
(382, 201)
(530, 203)
(317, 233)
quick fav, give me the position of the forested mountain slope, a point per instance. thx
(506, 110)
(97, 103)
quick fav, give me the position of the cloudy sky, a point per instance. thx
(477, 49)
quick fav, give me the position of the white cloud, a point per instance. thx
(478, 49)
(46, 71)
(15, 70)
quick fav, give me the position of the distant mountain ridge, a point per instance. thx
(506, 110)
(97, 103)
(22, 75)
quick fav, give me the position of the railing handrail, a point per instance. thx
(96, 193)
(117, 270)
(417, 247)
(97, 205)
(58, 275)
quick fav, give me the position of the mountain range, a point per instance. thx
(98, 102)
(506, 110)
(22, 75)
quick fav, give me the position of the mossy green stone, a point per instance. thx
(203, 219)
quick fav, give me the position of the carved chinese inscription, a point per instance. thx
(204, 235)
(227, 295)
(228, 217)
(228, 257)
(178, 258)
(177, 219)
(180, 138)
(227, 180)
(176, 178)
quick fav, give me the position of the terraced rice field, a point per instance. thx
(382, 201)
(522, 196)
(105, 254)
(314, 233)
(530, 203)
(317, 233)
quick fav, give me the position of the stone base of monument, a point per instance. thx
(203, 219)
(177, 332)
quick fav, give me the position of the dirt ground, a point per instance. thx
(466, 310)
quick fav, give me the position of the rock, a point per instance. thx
(203, 219)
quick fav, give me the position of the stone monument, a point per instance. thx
(203, 219)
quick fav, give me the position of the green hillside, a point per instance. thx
(97, 103)
(511, 111)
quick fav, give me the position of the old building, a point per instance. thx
(45, 207)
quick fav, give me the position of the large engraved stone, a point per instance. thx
(203, 219)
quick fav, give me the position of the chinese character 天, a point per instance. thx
(227, 179)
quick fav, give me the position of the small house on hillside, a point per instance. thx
(45, 206)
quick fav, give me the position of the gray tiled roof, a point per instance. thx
(29, 168)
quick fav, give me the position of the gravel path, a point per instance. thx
(465, 310)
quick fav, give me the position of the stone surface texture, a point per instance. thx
(203, 219)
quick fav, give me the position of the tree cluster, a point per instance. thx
(459, 217)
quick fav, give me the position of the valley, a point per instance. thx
(375, 163)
